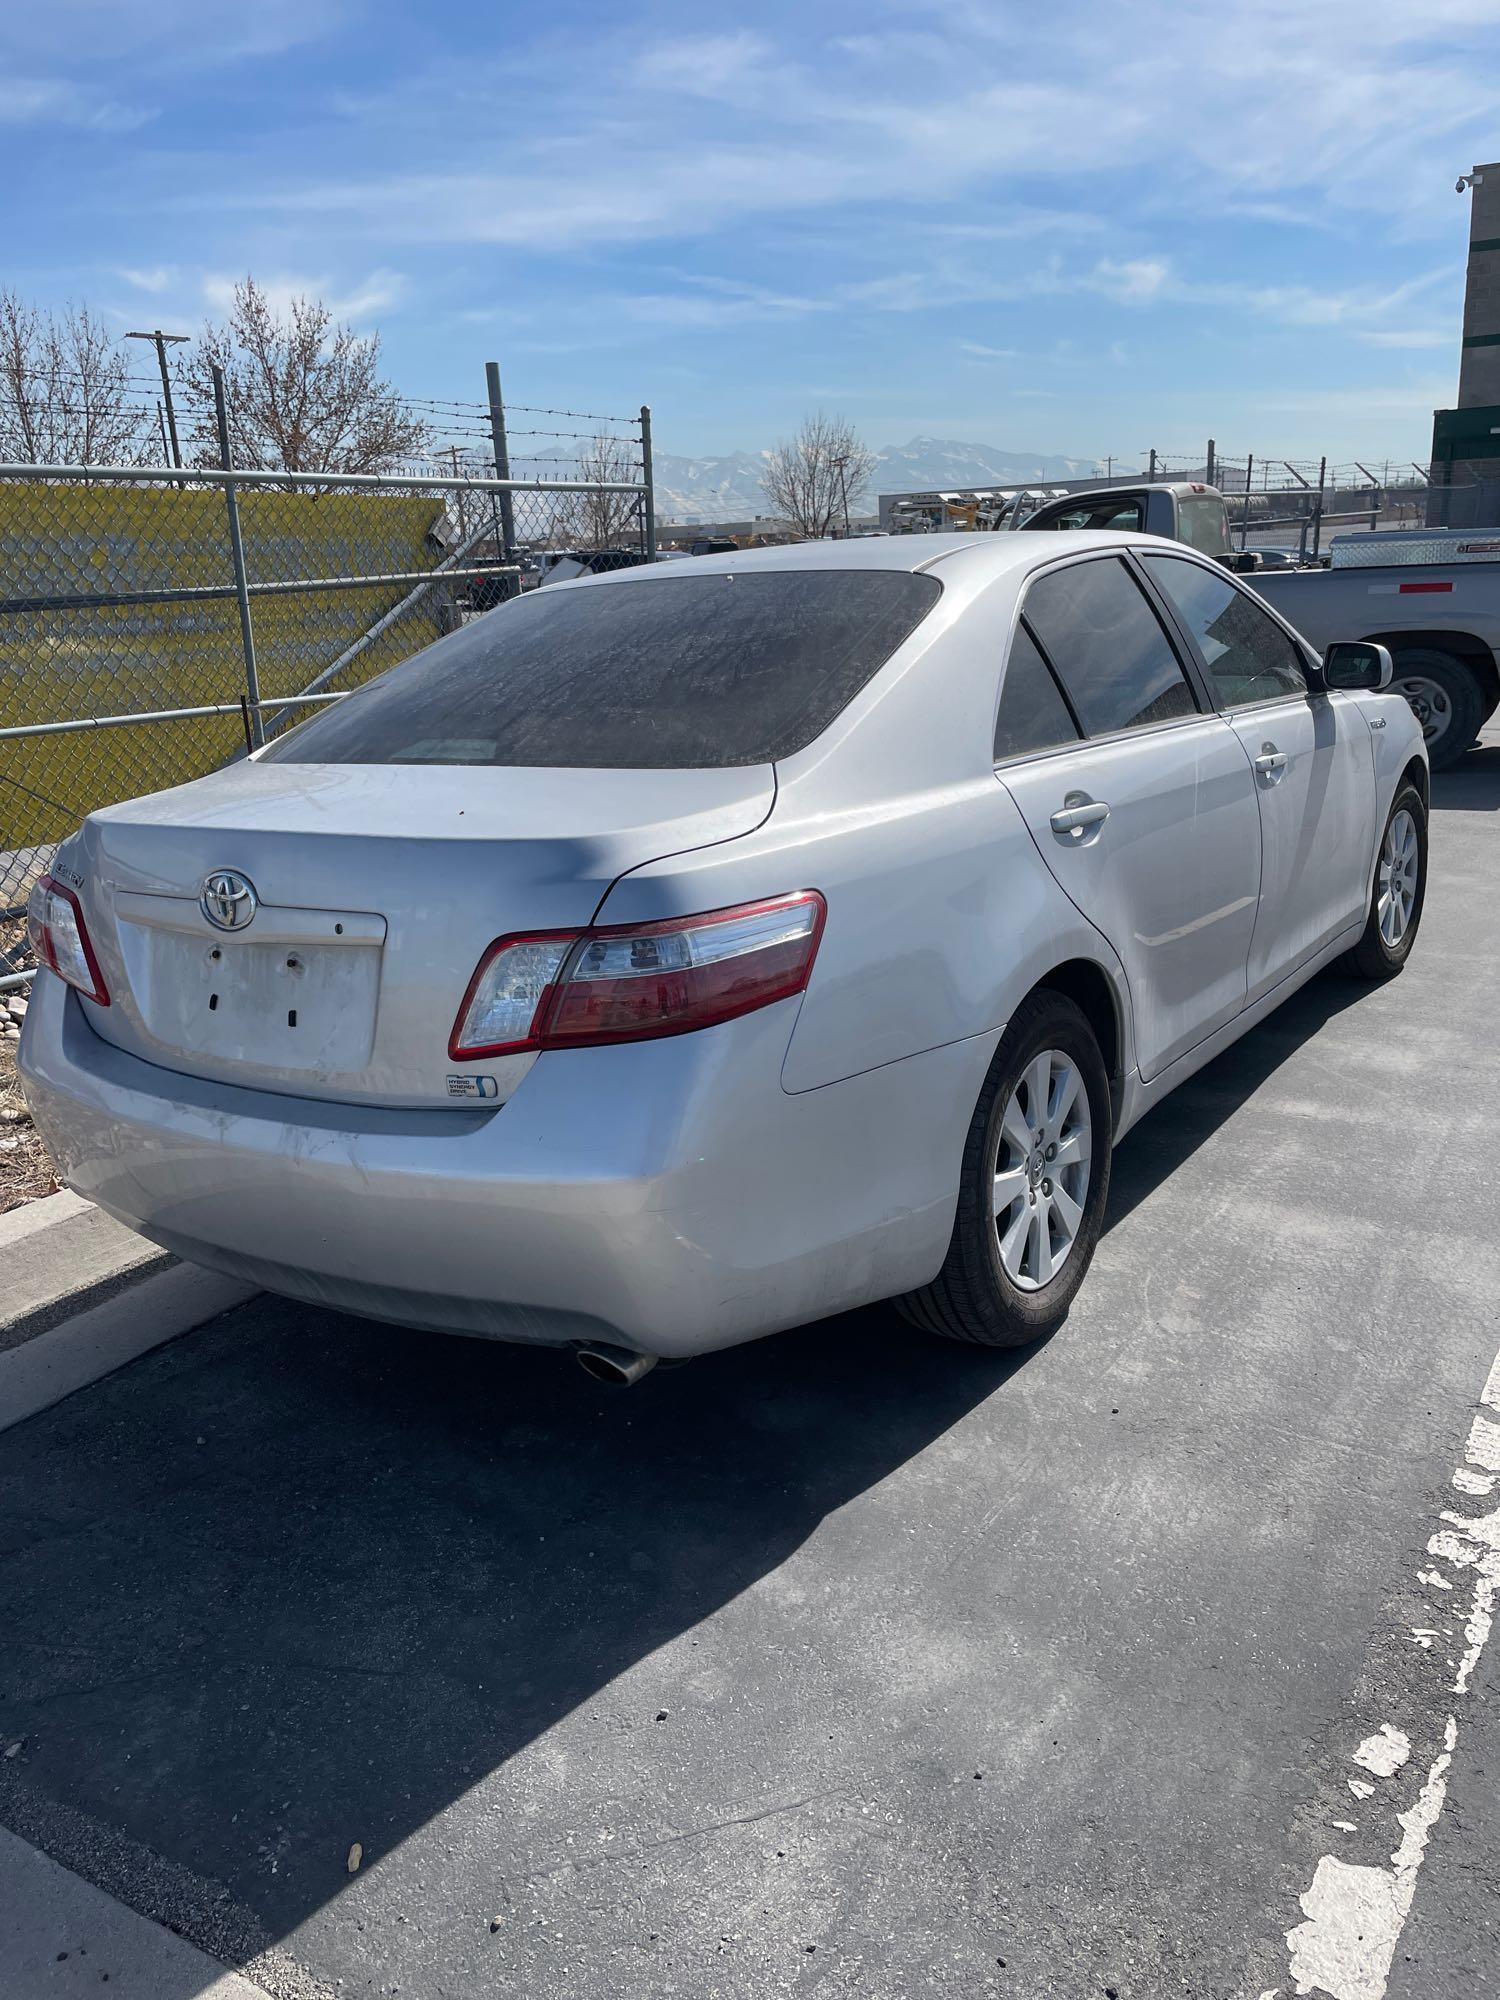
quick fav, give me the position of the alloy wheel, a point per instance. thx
(1042, 1167)
(1396, 879)
(1430, 704)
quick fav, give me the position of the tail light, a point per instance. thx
(635, 982)
(60, 938)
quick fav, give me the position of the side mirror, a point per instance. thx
(1358, 664)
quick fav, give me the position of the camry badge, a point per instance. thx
(228, 899)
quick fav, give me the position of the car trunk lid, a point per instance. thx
(372, 891)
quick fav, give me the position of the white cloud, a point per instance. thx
(156, 279)
(1132, 280)
(372, 295)
(43, 100)
(1411, 336)
(705, 65)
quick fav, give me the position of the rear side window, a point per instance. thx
(1203, 524)
(1248, 656)
(1107, 647)
(669, 672)
(1125, 516)
(1033, 714)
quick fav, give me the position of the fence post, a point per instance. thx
(1212, 468)
(237, 554)
(508, 584)
(648, 480)
(1318, 515)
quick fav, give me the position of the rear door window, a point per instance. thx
(1248, 656)
(1033, 714)
(660, 672)
(1107, 646)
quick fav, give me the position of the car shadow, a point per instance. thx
(1167, 1137)
(1470, 785)
(302, 1579)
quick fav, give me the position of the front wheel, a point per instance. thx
(1033, 1184)
(1398, 892)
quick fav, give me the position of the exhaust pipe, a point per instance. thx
(621, 1367)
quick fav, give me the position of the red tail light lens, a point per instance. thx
(635, 982)
(61, 941)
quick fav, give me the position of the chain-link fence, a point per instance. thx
(154, 624)
(1298, 503)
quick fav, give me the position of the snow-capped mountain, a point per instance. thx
(728, 488)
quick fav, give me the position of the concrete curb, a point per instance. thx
(83, 1295)
(60, 1935)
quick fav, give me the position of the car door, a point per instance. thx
(1141, 803)
(1310, 752)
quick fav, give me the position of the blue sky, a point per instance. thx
(1079, 227)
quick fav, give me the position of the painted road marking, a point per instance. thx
(1354, 1910)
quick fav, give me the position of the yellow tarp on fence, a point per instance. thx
(70, 540)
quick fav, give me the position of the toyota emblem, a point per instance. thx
(228, 899)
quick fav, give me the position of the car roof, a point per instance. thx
(982, 556)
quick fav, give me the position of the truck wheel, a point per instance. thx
(1397, 895)
(1032, 1186)
(1444, 697)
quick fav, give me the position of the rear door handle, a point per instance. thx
(1077, 819)
(1270, 761)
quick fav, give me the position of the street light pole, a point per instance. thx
(162, 341)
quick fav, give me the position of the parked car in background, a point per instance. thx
(564, 565)
(682, 954)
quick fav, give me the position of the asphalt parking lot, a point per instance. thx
(850, 1663)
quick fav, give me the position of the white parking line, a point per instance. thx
(1354, 1911)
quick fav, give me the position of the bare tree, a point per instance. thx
(64, 389)
(813, 480)
(304, 393)
(598, 520)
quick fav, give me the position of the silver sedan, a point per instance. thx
(678, 955)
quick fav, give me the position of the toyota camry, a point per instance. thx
(677, 955)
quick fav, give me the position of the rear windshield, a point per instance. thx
(675, 672)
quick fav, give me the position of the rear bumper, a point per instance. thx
(666, 1195)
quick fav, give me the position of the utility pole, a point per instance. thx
(1151, 469)
(1211, 467)
(162, 341)
(841, 466)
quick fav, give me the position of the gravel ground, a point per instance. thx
(25, 1170)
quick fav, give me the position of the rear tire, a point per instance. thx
(1398, 892)
(1445, 698)
(1002, 1284)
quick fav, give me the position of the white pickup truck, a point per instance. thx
(1432, 595)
